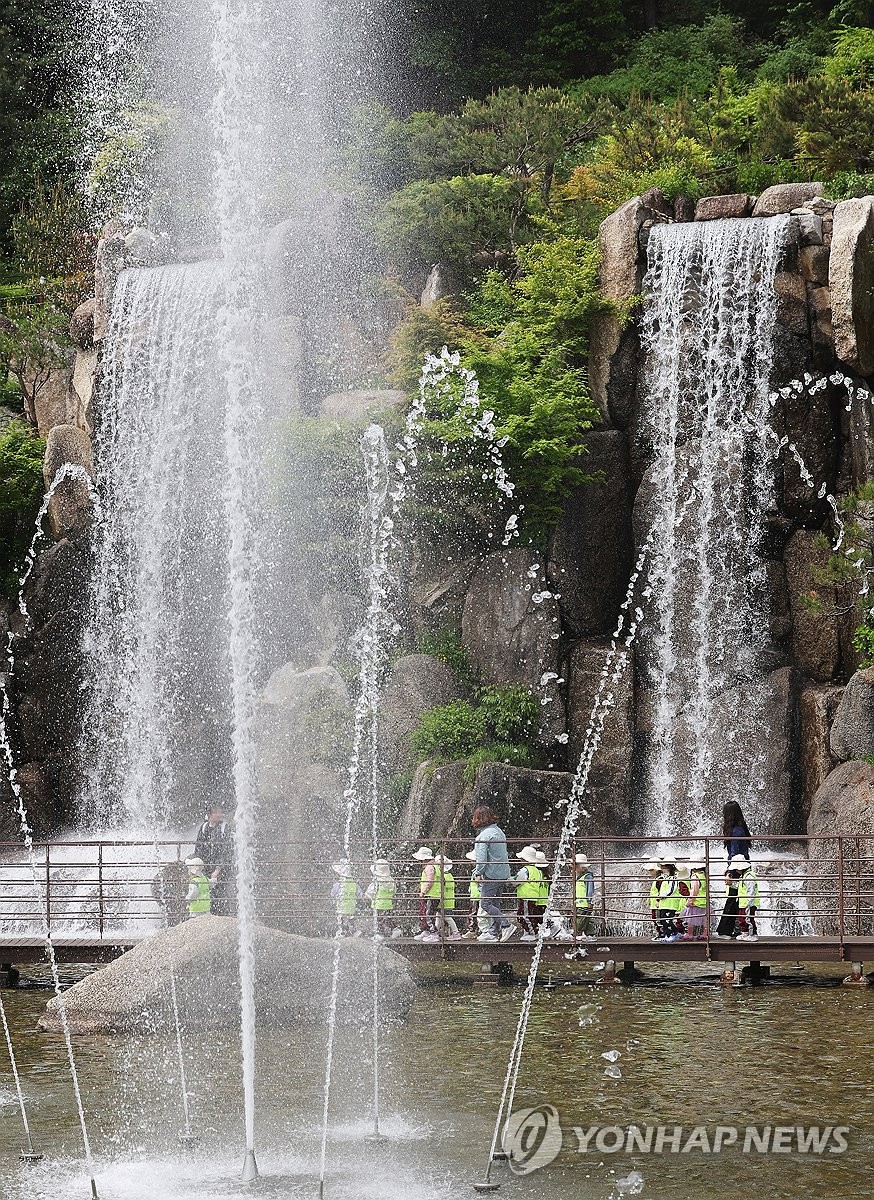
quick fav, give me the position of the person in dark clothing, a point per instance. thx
(735, 832)
(738, 842)
(215, 845)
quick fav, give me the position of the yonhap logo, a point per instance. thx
(532, 1138)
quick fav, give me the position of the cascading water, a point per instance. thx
(708, 332)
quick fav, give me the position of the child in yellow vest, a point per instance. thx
(345, 893)
(199, 894)
(381, 894)
(477, 921)
(529, 893)
(697, 907)
(671, 900)
(584, 894)
(654, 871)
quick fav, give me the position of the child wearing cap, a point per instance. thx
(671, 900)
(345, 893)
(584, 891)
(529, 893)
(381, 894)
(478, 921)
(654, 871)
(199, 894)
(747, 899)
(696, 910)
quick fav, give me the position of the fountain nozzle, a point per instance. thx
(188, 1140)
(250, 1168)
(29, 1156)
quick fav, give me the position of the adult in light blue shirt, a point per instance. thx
(492, 868)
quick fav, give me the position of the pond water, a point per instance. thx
(793, 1052)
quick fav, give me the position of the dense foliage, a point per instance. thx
(499, 726)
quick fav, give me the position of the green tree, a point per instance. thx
(32, 346)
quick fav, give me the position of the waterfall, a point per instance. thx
(158, 691)
(708, 333)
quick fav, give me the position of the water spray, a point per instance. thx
(29, 1155)
(69, 471)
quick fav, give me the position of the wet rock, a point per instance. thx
(357, 405)
(791, 302)
(852, 733)
(816, 640)
(779, 616)
(851, 282)
(417, 683)
(70, 507)
(82, 390)
(437, 593)
(843, 807)
(618, 236)
(141, 246)
(82, 324)
(591, 548)
(608, 792)
(718, 208)
(783, 197)
(809, 226)
(816, 711)
(292, 982)
(510, 627)
(436, 805)
(304, 722)
(111, 260)
(813, 425)
(684, 209)
(614, 358)
(813, 263)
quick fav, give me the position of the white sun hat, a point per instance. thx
(423, 854)
(682, 869)
(443, 861)
(581, 858)
(341, 868)
(380, 867)
(195, 864)
(739, 863)
(471, 855)
(542, 860)
(696, 864)
(667, 860)
(652, 864)
(528, 854)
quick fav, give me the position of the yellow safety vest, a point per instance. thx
(670, 896)
(448, 889)
(383, 898)
(700, 900)
(204, 898)
(475, 890)
(654, 892)
(748, 891)
(582, 891)
(348, 898)
(532, 887)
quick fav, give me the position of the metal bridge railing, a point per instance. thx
(809, 887)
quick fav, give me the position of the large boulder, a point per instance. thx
(816, 712)
(843, 808)
(591, 548)
(82, 324)
(511, 627)
(608, 791)
(437, 592)
(417, 683)
(52, 400)
(292, 982)
(70, 506)
(851, 283)
(436, 805)
(852, 731)
(783, 197)
(719, 208)
(304, 722)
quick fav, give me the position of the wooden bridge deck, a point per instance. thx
(85, 948)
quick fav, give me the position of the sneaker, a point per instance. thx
(421, 935)
(454, 937)
(675, 937)
(470, 936)
(487, 937)
(528, 937)
(687, 937)
(564, 937)
(397, 933)
(431, 937)
(510, 933)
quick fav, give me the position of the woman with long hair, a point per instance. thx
(738, 842)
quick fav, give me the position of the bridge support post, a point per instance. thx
(494, 974)
(609, 973)
(731, 976)
(857, 978)
(629, 973)
(9, 975)
(754, 973)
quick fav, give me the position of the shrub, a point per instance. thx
(451, 731)
(33, 345)
(446, 645)
(21, 490)
(500, 727)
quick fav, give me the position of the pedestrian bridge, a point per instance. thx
(96, 899)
